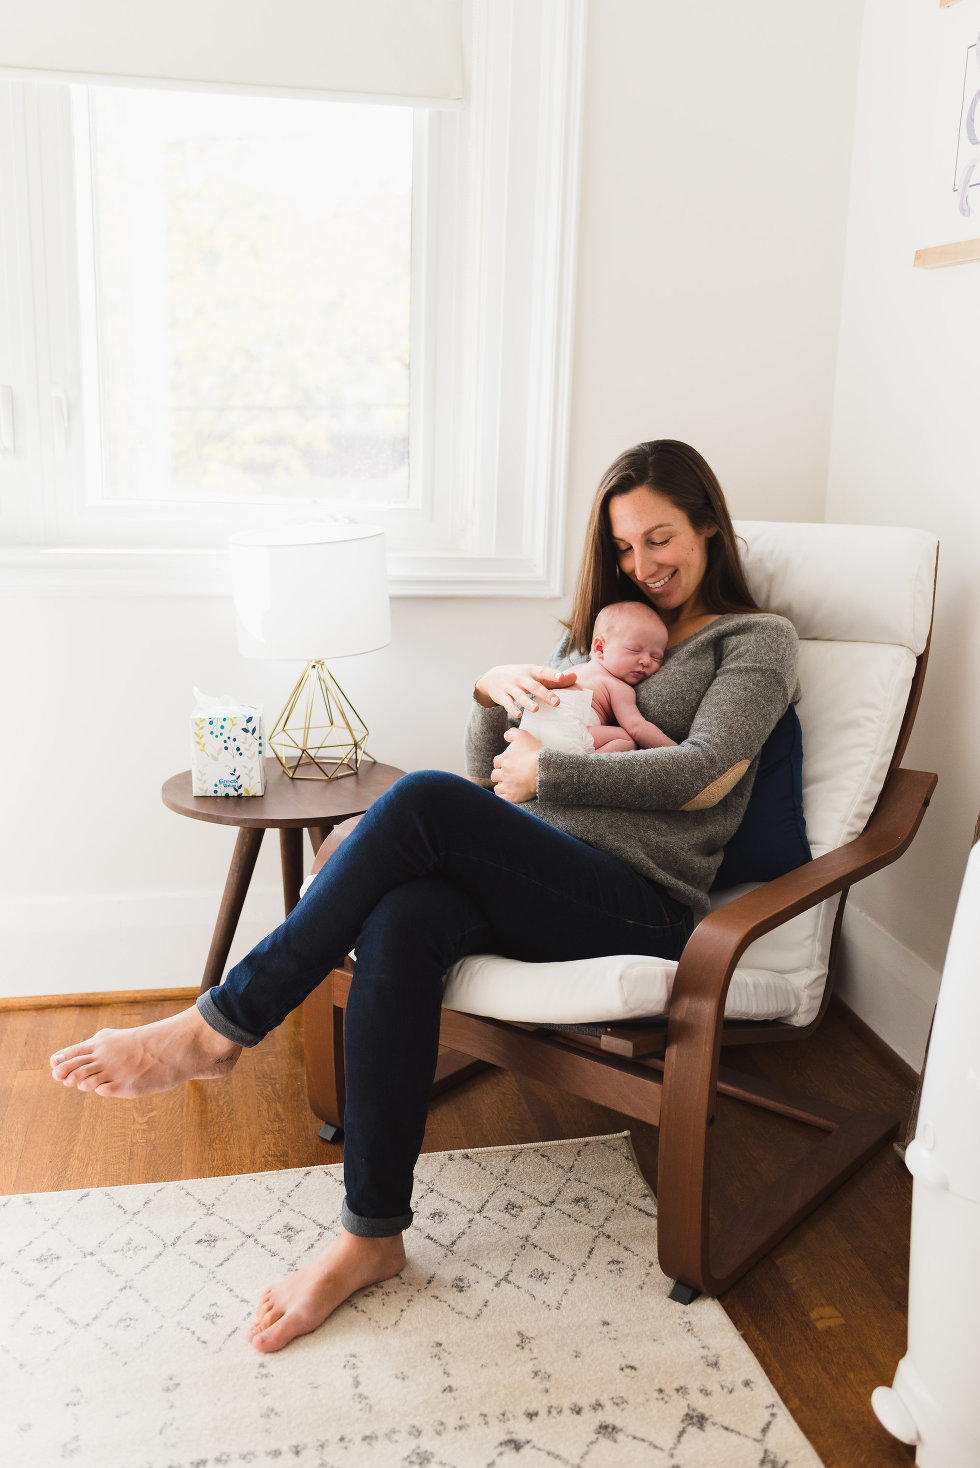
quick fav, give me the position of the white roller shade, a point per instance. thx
(400, 48)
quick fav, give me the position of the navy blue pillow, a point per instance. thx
(772, 837)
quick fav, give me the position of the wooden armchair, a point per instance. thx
(861, 599)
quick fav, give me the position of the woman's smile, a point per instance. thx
(659, 585)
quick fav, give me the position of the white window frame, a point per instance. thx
(492, 325)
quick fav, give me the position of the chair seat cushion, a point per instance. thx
(590, 990)
(772, 837)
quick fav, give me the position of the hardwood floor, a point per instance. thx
(824, 1314)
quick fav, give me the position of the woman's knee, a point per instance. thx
(423, 793)
(426, 785)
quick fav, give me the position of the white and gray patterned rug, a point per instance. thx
(531, 1327)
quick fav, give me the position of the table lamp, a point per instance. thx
(313, 593)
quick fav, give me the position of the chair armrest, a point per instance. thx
(698, 1002)
(714, 948)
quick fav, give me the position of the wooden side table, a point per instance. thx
(289, 807)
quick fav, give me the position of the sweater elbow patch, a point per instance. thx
(718, 789)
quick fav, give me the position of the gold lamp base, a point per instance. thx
(319, 734)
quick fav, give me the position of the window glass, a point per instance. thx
(247, 271)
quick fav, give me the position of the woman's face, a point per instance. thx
(659, 550)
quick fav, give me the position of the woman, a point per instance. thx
(567, 857)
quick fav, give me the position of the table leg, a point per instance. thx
(239, 875)
(317, 835)
(291, 847)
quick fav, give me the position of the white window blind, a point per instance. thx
(396, 48)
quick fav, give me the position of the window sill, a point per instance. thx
(72, 571)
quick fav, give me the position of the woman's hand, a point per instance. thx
(515, 772)
(519, 686)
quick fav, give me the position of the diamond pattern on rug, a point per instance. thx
(531, 1325)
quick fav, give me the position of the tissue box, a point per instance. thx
(227, 750)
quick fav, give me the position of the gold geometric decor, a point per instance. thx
(319, 734)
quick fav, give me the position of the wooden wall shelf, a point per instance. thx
(954, 254)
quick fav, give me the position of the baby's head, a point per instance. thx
(629, 640)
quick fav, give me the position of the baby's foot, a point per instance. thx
(299, 1303)
(148, 1058)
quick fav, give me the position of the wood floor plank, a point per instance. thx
(824, 1314)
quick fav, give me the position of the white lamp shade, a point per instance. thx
(310, 591)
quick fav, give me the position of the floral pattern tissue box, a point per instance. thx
(226, 748)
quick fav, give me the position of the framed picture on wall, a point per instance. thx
(952, 211)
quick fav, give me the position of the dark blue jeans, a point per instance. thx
(438, 868)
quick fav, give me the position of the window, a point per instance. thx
(219, 308)
(247, 265)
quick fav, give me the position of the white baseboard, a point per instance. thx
(73, 945)
(887, 985)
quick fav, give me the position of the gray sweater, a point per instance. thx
(669, 812)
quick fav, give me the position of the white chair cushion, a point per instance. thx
(861, 599)
(844, 768)
(844, 583)
(592, 990)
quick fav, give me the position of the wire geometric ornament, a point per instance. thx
(319, 734)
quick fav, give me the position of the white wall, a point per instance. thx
(717, 147)
(717, 158)
(904, 452)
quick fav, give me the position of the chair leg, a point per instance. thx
(323, 1047)
(710, 1259)
(683, 1294)
(453, 1068)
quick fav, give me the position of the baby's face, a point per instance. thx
(633, 650)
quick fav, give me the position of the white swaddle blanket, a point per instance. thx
(564, 725)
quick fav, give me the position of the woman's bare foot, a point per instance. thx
(148, 1058)
(299, 1303)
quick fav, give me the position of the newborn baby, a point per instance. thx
(628, 644)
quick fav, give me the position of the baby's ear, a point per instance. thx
(598, 646)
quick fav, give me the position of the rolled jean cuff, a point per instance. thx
(212, 1015)
(373, 1228)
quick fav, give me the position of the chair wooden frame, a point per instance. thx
(671, 1078)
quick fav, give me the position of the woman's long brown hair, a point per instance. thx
(677, 471)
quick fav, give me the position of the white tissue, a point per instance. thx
(564, 725)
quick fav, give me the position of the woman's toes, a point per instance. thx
(72, 1054)
(80, 1055)
(69, 1053)
(82, 1077)
(89, 1080)
(107, 1088)
(273, 1337)
(266, 1317)
(72, 1074)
